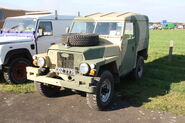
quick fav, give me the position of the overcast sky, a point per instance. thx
(157, 10)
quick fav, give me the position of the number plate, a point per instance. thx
(67, 71)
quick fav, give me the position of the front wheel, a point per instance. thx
(104, 92)
(16, 71)
(47, 90)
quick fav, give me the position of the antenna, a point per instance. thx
(56, 15)
(78, 14)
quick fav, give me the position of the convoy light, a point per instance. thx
(92, 66)
(34, 57)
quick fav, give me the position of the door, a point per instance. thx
(128, 54)
(45, 37)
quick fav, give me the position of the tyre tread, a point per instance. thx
(80, 39)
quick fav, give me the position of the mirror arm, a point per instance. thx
(67, 29)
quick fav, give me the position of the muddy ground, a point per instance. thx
(72, 108)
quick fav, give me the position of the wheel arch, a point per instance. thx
(17, 53)
(143, 53)
(112, 67)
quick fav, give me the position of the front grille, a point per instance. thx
(53, 66)
(65, 60)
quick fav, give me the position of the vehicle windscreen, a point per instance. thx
(102, 28)
(109, 28)
(83, 27)
(19, 25)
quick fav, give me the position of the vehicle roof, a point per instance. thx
(46, 16)
(113, 16)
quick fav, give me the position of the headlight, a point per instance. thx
(84, 68)
(41, 62)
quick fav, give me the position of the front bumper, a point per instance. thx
(81, 83)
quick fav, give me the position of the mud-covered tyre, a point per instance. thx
(80, 39)
(104, 92)
(137, 73)
(47, 90)
(15, 73)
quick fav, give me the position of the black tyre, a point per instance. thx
(80, 39)
(104, 92)
(15, 73)
(2, 80)
(137, 73)
(47, 90)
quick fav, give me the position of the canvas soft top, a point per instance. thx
(113, 16)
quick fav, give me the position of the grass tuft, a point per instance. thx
(21, 88)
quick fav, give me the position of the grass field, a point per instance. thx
(163, 84)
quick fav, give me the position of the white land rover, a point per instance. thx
(24, 36)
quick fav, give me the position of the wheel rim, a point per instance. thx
(105, 91)
(19, 72)
(140, 70)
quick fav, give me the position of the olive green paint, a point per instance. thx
(119, 50)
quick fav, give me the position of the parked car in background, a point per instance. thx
(24, 36)
(180, 27)
(151, 27)
(168, 26)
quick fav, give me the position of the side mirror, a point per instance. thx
(40, 33)
(127, 37)
(34, 32)
(67, 29)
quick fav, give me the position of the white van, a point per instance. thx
(24, 36)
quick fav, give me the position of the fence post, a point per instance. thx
(171, 50)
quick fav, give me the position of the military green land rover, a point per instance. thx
(97, 51)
